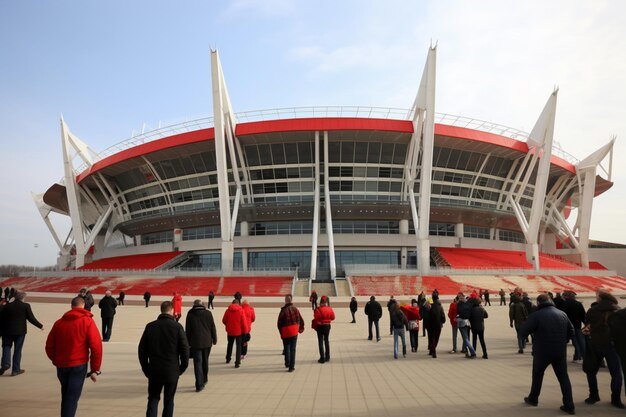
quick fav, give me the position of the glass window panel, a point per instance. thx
(305, 152)
(360, 152)
(265, 154)
(347, 152)
(278, 153)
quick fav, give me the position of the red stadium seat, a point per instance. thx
(144, 261)
(466, 258)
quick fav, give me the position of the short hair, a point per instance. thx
(288, 298)
(107, 292)
(166, 307)
(197, 302)
(78, 302)
(20, 295)
(543, 298)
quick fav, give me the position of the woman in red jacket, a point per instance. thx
(412, 314)
(236, 326)
(248, 312)
(178, 305)
(322, 317)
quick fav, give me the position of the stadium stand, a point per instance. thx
(144, 261)
(465, 258)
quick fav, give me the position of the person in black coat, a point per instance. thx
(373, 311)
(211, 297)
(353, 308)
(617, 324)
(576, 314)
(6, 294)
(390, 308)
(559, 301)
(201, 335)
(164, 356)
(107, 307)
(477, 323)
(122, 297)
(464, 313)
(146, 298)
(437, 318)
(601, 346)
(13, 330)
(552, 331)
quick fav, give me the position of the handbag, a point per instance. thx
(414, 325)
(314, 324)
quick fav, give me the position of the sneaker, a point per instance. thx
(472, 356)
(452, 351)
(521, 351)
(592, 399)
(378, 339)
(20, 372)
(198, 389)
(3, 370)
(291, 369)
(237, 365)
(320, 360)
(530, 402)
(616, 401)
(571, 411)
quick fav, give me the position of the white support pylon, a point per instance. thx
(45, 210)
(329, 216)
(316, 209)
(422, 139)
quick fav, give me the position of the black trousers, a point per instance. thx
(390, 324)
(433, 339)
(201, 365)
(502, 301)
(244, 344)
(229, 348)
(290, 351)
(323, 343)
(559, 365)
(211, 303)
(481, 336)
(487, 302)
(107, 326)
(154, 396)
(71, 380)
(147, 301)
(369, 327)
(353, 318)
(121, 301)
(414, 337)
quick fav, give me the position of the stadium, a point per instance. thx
(364, 199)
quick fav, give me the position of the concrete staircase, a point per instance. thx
(302, 288)
(323, 288)
(343, 288)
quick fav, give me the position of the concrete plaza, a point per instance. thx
(362, 378)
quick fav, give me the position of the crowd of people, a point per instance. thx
(74, 344)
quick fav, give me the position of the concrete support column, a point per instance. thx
(404, 227)
(403, 257)
(243, 228)
(493, 233)
(244, 259)
(178, 235)
(459, 230)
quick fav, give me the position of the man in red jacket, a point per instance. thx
(250, 316)
(290, 323)
(73, 342)
(322, 318)
(236, 326)
(177, 301)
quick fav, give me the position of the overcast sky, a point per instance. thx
(112, 66)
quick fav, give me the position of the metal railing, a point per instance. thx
(320, 111)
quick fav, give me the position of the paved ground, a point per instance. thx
(362, 379)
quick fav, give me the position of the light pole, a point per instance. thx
(36, 245)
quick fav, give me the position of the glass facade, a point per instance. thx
(476, 232)
(511, 236)
(157, 237)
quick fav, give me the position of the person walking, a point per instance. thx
(313, 300)
(86, 295)
(452, 313)
(518, 316)
(6, 294)
(486, 296)
(201, 336)
(398, 324)
(437, 320)
(146, 298)
(425, 314)
(374, 311)
(353, 308)
(601, 346)
(74, 342)
(121, 298)
(323, 317)
(107, 307)
(211, 298)
(290, 324)
(477, 324)
(236, 325)
(164, 355)
(617, 324)
(177, 303)
(250, 316)
(576, 314)
(552, 331)
(390, 308)
(412, 313)
(464, 313)
(13, 324)
(502, 297)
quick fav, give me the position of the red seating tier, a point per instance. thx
(466, 258)
(143, 261)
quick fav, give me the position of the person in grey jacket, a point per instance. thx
(552, 330)
(518, 314)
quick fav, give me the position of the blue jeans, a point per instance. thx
(521, 342)
(398, 333)
(72, 380)
(466, 342)
(455, 332)
(613, 363)
(579, 344)
(7, 342)
(289, 344)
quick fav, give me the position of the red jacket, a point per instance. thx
(290, 321)
(323, 315)
(235, 320)
(411, 313)
(178, 304)
(452, 314)
(72, 338)
(474, 294)
(248, 312)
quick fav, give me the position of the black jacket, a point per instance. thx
(373, 310)
(353, 306)
(552, 330)
(598, 320)
(200, 328)
(477, 317)
(398, 319)
(617, 324)
(163, 350)
(122, 295)
(559, 302)
(464, 310)
(13, 318)
(89, 302)
(146, 296)
(436, 316)
(390, 305)
(575, 312)
(107, 307)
